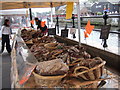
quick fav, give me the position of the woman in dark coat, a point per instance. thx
(6, 35)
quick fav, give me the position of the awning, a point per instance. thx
(12, 12)
(6, 4)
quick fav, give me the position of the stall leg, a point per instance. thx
(79, 22)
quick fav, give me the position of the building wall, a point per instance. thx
(100, 7)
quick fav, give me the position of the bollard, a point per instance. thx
(73, 21)
(105, 17)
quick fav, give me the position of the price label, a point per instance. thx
(51, 31)
(72, 30)
(64, 33)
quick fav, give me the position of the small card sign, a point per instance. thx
(72, 30)
(51, 31)
(64, 33)
(105, 32)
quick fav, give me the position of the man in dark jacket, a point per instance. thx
(40, 26)
(38, 22)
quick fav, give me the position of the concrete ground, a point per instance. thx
(5, 66)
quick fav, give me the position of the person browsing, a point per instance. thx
(6, 36)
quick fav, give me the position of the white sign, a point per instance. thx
(72, 30)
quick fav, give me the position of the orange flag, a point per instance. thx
(88, 29)
(85, 34)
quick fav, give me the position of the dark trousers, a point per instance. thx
(6, 40)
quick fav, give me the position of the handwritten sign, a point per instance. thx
(105, 32)
(64, 33)
(51, 31)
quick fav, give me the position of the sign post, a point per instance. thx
(105, 17)
(73, 19)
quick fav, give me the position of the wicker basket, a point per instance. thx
(90, 74)
(50, 46)
(47, 80)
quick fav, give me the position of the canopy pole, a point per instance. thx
(26, 17)
(51, 13)
(30, 12)
(79, 22)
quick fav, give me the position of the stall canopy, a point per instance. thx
(17, 4)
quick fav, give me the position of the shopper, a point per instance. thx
(43, 28)
(38, 23)
(41, 25)
(6, 35)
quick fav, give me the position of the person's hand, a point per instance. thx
(0, 38)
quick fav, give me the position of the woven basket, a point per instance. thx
(90, 74)
(47, 80)
(50, 46)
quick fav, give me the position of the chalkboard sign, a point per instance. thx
(105, 32)
(51, 31)
(64, 33)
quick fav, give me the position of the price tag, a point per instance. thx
(72, 30)
(64, 33)
(51, 31)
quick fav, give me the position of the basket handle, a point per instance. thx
(79, 59)
(75, 71)
(74, 62)
(98, 58)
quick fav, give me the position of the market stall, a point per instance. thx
(42, 61)
(49, 63)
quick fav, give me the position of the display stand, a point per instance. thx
(23, 63)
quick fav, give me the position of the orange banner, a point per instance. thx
(88, 29)
(85, 34)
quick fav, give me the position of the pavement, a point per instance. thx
(5, 69)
